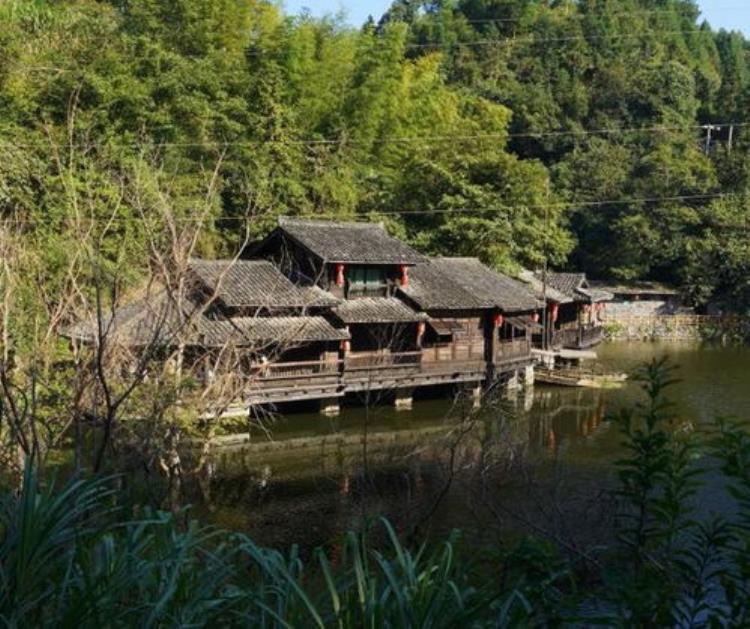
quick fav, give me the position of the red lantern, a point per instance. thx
(421, 327)
(555, 312)
(340, 268)
(535, 317)
(404, 275)
(499, 320)
(346, 346)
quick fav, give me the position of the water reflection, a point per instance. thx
(435, 467)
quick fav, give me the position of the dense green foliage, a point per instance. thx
(475, 116)
(75, 557)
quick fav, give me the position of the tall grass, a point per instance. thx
(69, 559)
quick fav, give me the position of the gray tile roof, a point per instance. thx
(152, 320)
(595, 295)
(377, 310)
(249, 330)
(490, 288)
(576, 287)
(255, 284)
(432, 289)
(537, 286)
(364, 243)
(156, 321)
(567, 283)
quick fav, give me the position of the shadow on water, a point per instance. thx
(538, 459)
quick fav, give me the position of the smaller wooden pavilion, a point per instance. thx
(573, 307)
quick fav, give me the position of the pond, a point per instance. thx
(532, 460)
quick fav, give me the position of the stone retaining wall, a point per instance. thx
(677, 327)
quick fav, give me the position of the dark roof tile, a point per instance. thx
(282, 330)
(490, 288)
(432, 289)
(255, 284)
(377, 310)
(355, 243)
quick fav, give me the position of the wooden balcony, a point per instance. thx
(511, 352)
(581, 337)
(396, 370)
(379, 370)
(294, 381)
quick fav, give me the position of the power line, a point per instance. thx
(577, 12)
(399, 140)
(428, 212)
(509, 41)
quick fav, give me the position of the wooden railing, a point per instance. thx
(511, 350)
(279, 373)
(459, 351)
(578, 338)
(367, 361)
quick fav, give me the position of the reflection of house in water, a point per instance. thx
(558, 418)
(324, 489)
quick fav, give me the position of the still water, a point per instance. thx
(509, 467)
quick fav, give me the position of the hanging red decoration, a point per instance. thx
(404, 275)
(346, 346)
(535, 317)
(340, 268)
(499, 320)
(555, 312)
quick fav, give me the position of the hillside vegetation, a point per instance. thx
(511, 130)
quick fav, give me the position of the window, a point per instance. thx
(369, 281)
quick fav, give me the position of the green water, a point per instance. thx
(522, 455)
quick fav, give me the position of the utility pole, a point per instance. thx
(731, 137)
(709, 129)
(545, 317)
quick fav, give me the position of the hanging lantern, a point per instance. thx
(499, 320)
(346, 346)
(340, 268)
(555, 311)
(404, 275)
(421, 327)
(535, 317)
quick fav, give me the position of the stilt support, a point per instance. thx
(330, 407)
(528, 376)
(404, 399)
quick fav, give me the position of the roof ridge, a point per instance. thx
(472, 258)
(218, 261)
(287, 220)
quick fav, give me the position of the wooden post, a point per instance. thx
(330, 407)
(404, 399)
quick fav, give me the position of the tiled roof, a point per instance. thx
(152, 320)
(488, 287)
(377, 310)
(364, 243)
(157, 321)
(576, 287)
(537, 286)
(255, 284)
(248, 330)
(596, 295)
(432, 289)
(567, 283)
